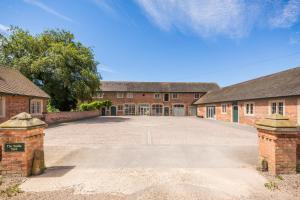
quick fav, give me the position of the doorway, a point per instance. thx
(298, 112)
(210, 112)
(166, 111)
(298, 158)
(103, 111)
(144, 109)
(113, 111)
(235, 112)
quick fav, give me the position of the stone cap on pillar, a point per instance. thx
(22, 121)
(277, 122)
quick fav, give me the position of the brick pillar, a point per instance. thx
(278, 138)
(20, 137)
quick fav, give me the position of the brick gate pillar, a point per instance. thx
(20, 138)
(278, 138)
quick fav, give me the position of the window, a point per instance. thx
(174, 96)
(120, 95)
(277, 107)
(120, 107)
(197, 96)
(224, 108)
(2, 106)
(36, 106)
(100, 95)
(157, 96)
(129, 95)
(166, 97)
(157, 110)
(249, 108)
(129, 109)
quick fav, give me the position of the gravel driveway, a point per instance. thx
(151, 158)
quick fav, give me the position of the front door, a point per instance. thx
(113, 111)
(103, 111)
(166, 111)
(298, 114)
(235, 112)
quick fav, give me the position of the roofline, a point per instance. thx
(150, 92)
(14, 94)
(294, 95)
(258, 78)
(160, 82)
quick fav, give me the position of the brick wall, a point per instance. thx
(17, 104)
(51, 118)
(20, 163)
(261, 110)
(148, 98)
(279, 150)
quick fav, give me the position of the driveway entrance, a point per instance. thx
(144, 156)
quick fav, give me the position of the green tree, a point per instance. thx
(54, 61)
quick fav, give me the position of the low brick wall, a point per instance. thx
(58, 117)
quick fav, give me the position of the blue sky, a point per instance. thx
(223, 41)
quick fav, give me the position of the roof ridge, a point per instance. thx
(261, 77)
(160, 82)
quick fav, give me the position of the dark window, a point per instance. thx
(166, 97)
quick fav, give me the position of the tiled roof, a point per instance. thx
(123, 86)
(13, 82)
(281, 84)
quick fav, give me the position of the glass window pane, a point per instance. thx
(280, 108)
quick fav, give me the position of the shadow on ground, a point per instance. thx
(96, 120)
(56, 171)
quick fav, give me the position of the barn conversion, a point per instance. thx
(255, 99)
(152, 98)
(18, 94)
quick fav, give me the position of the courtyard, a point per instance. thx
(144, 157)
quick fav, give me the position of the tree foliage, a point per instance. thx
(54, 61)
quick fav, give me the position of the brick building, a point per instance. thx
(255, 99)
(18, 94)
(152, 98)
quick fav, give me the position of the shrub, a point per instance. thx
(95, 105)
(51, 108)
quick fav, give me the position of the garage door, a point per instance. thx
(178, 110)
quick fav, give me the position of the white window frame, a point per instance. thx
(158, 96)
(245, 108)
(3, 106)
(176, 96)
(197, 94)
(277, 106)
(222, 111)
(120, 95)
(41, 108)
(130, 113)
(129, 95)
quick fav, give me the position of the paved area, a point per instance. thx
(142, 157)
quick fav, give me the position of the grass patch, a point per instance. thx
(271, 185)
(11, 191)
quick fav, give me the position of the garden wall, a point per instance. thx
(58, 117)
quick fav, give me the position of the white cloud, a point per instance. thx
(48, 9)
(232, 18)
(105, 68)
(3, 28)
(287, 16)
